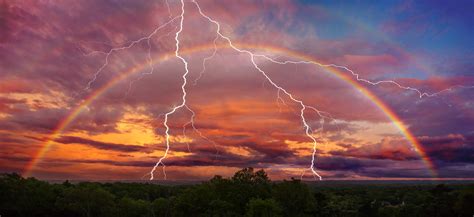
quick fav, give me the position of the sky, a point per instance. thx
(85, 87)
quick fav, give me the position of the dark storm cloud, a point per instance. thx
(44, 120)
(457, 170)
(344, 145)
(66, 162)
(10, 139)
(450, 148)
(450, 112)
(376, 151)
(101, 145)
(98, 119)
(341, 163)
(8, 105)
(269, 149)
(15, 158)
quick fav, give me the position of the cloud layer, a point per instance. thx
(50, 51)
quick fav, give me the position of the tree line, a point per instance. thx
(248, 193)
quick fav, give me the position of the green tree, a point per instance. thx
(25, 197)
(257, 207)
(221, 208)
(161, 207)
(465, 202)
(442, 202)
(295, 198)
(87, 200)
(248, 184)
(128, 207)
(194, 201)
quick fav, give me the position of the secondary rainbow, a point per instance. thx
(62, 125)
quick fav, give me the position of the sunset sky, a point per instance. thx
(81, 98)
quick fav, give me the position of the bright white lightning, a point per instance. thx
(183, 102)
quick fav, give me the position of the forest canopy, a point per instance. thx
(248, 193)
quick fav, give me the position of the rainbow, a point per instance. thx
(391, 115)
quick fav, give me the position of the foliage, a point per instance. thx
(257, 207)
(248, 193)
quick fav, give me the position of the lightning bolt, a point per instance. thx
(357, 76)
(304, 108)
(130, 45)
(206, 59)
(191, 122)
(150, 63)
(183, 102)
(252, 56)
